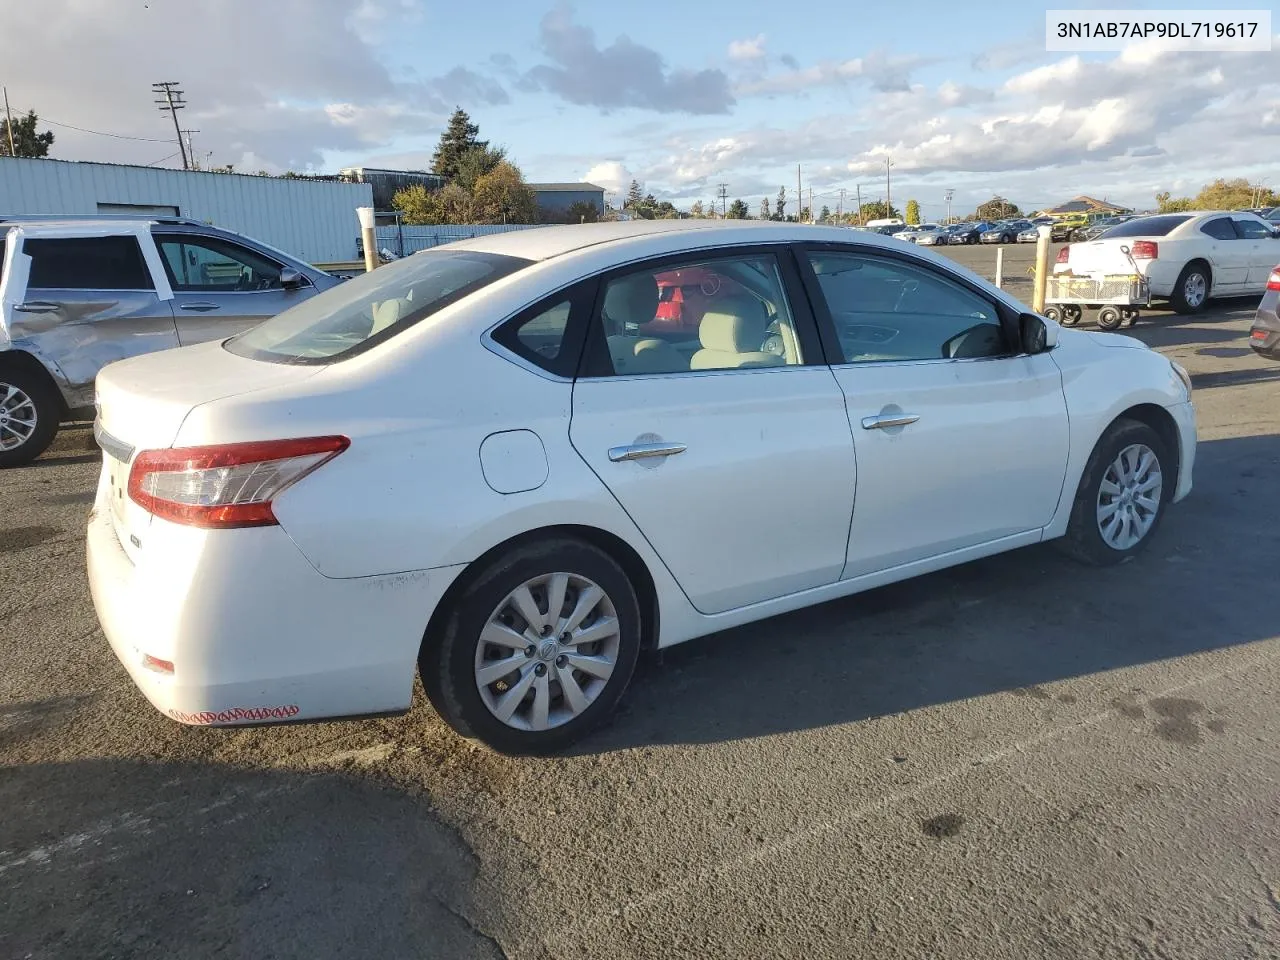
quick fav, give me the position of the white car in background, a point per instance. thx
(1187, 258)
(924, 233)
(494, 461)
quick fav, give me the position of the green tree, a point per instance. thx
(26, 142)
(457, 139)
(737, 211)
(825, 215)
(913, 212)
(635, 196)
(475, 162)
(695, 211)
(876, 210)
(1165, 203)
(1237, 194)
(765, 212)
(780, 205)
(502, 196)
(804, 215)
(582, 211)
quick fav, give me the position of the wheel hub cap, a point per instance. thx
(1129, 497)
(549, 650)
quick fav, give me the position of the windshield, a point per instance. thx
(357, 314)
(1145, 227)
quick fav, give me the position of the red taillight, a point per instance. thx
(228, 485)
(1064, 253)
(1145, 250)
(1273, 281)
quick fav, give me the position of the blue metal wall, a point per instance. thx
(313, 220)
(423, 236)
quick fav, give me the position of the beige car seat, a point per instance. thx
(732, 333)
(634, 300)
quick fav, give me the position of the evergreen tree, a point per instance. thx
(458, 138)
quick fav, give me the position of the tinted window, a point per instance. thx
(539, 336)
(87, 263)
(210, 264)
(1251, 229)
(1147, 226)
(886, 309)
(1219, 229)
(369, 309)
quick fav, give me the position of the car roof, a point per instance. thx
(543, 243)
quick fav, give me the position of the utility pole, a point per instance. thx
(171, 104)
(724, 196)
(813, 216)
(888, 200)
(950, 193)
(191, 151)
(858, 187)
(799, 196)
(9, 123)
(840, 207)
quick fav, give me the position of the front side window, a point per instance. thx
(369, 309)
(210, 265)
(724, 314)
(1219, 229)
(890, 310)
(87, 263)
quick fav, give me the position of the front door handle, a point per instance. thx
(893, 420)
(35, 306)
(644, 451)
(200, 306)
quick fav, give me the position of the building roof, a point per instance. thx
(565, 188)
(1083, 204)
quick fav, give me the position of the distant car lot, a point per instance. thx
(1025, 749)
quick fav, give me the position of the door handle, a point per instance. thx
(645, 451)
(201, 306)
(880, 422)
(35, 306)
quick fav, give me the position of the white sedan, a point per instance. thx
(506, 463)
(1186, 257)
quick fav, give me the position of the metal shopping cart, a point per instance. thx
(1116, 297)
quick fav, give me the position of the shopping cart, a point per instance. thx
(1116, 297)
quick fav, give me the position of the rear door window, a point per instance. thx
(86, 263)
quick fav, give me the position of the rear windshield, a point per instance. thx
(1146, 227)
(364, 311)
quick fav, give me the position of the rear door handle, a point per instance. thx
(200, 306)
(35, 306)
(880, 422)
(644, 451)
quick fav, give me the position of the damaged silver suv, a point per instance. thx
(76, 295)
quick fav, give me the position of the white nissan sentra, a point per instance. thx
(515, 461)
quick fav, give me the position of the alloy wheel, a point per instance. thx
(547, 651)
(18, 417)
(1129, 497)
(1194, 289)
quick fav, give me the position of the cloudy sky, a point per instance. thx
(680, 94)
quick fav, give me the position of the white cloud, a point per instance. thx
(610, 174)
(879, 70)
(752, 49)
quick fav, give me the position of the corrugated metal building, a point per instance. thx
(314, 220)
(555, 199)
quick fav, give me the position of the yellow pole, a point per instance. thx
(368, 238)
(1042, 270)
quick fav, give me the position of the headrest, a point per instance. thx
(733, 325)
(631, 299)
(388, 312)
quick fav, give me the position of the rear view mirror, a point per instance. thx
(1038, 334)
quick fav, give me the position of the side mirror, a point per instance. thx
(1038, 334)
(291, 279)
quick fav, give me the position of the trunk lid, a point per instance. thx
(142, 403)
(1103, 256)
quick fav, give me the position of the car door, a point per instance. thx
(1228, 255)
(960, 438)
(89, 301)
(1264, 253)
(220, 287)
(732, 454)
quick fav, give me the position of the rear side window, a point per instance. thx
(1147, 226)
(372, 308)
(87, 263)
(1220, 229)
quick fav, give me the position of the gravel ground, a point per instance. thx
(1016, 758)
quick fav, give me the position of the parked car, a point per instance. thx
(1064, 228)
(78, 294)
(917, 233)
(890, 229)
(968, 232)
(1029, 234)
(1004, 231)
(1186, 257)
(1264, 335)
(1099, 227)
(503, 486)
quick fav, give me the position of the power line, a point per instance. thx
(171, 104)
(99, 133)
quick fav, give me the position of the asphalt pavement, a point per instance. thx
(1020, 757)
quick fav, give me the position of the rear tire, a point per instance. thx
(30, 413)
(1120, 488)
(1191, 292)
(1109, 318)
(559, 702)
(1071, 315)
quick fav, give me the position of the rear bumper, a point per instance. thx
(254, 633)
(1265, 340)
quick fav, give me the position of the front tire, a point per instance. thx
(537, 650)
(30, 413)
(1122, 495)
(1191, 292)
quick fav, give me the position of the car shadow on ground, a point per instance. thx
(1161, 328)
(125, 858)
(1013, 622)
